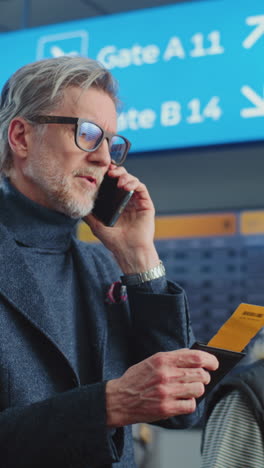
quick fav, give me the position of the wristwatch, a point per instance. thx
(138, 278)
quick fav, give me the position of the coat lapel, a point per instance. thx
(21, 290)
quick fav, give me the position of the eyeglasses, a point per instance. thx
(89, 136)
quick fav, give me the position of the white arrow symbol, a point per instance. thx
(258, 101)
(253, 37)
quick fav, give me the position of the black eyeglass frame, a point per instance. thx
(50, 119)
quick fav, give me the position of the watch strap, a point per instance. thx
(138, 278)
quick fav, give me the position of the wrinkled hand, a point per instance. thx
(131, 239)
(164, 385)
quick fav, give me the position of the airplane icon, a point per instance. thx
(71, 44)
(57, 51)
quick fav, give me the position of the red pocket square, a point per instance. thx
(116, 293)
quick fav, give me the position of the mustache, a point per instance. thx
(90, 172)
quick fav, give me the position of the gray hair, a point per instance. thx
(38, 87)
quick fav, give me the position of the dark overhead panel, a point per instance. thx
(17, 14)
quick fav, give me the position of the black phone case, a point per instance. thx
(227, 360)
(110, 201)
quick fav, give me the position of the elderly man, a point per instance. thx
(79, 365)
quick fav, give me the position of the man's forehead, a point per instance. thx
(84, 102)
(78, 93)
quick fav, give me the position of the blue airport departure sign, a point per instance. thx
(190, 74)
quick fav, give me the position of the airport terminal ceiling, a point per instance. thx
(17, 14)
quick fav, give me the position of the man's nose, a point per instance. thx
(101, 156)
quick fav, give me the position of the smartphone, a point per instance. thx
(110, 201)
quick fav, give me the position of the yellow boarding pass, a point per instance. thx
(240, 328)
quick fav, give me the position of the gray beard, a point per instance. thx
(58, 192)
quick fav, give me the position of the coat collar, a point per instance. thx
(33, 225)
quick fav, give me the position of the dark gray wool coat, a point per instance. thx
(47, 417)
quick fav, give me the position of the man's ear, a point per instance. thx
(19, 137)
